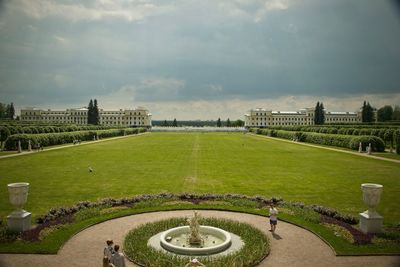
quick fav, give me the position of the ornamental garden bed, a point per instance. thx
(340, 231)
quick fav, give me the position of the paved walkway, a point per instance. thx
(327, 148)
(69, 145)
(290, 246)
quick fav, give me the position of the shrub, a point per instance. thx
(397, 141)
(50, 139)
(338, 140)
(4, 133)
(377, 143)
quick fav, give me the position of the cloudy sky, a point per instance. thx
(200, 59)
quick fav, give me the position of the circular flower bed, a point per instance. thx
(256, 244)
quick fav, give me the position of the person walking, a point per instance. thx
(108, 252)
(118, 258)
(273, 217)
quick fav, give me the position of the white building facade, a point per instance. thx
(262, 118)
(139, 117)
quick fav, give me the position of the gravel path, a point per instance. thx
(290, 246)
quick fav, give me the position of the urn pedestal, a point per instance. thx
(370, 220)
(19, 220)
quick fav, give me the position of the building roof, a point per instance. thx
(341, 113)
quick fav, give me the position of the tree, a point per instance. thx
(396, 113)
(11, 112)
(385, 113)
(388, 137)
(238, 123)
(367, 112)
(2, 111)
(219, 122)
(322, 113)
(4, 133)
(165, 123)
(96, 116)
(90, 113)
(228, 123)
(175, 123)
(319, 116)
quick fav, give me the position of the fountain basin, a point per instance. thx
(215, 240)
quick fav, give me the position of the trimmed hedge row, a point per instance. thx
(347, 141)
(386, 134)
(50, 139)
(36, 129)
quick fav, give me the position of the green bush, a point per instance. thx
(4, 133)
(347, 141)
(376, 143)
(51, 139)
(397, 140)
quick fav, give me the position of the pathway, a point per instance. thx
(290, 246)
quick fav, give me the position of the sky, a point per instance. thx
(200, 59)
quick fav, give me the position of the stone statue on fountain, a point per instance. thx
(195, 238)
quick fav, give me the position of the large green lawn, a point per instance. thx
(200, 162)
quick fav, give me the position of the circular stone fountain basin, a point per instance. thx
(215, 240)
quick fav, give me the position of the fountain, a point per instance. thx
(196, 239)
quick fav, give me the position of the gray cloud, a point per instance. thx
(62, 53)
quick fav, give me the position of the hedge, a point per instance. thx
(51, 139)
(397, 141)
(384, 133)
(36, 129)
(347, 141)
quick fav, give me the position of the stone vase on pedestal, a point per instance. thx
(19, 220)
(370, 220)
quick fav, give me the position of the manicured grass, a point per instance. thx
(200, 163)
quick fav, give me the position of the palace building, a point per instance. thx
(265, 118)
(139, 117)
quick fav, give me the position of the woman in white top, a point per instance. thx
(273, 217)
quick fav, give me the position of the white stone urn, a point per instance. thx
(19, 220)
(371, 196)
(18, 195)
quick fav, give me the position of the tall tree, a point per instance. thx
(90, 113)
(2, 111)
(396, 113)
(385, 113)
(228, 123)
(96, 115)
(321, 113)
(363, 111)
(367, 112)
(318, 114)
(219, 122)
(175, 123)
(165, 123)
(11, 112)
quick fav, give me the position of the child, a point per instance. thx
(109, 250)
(273, 217)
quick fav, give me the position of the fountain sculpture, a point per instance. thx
(195, 239)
